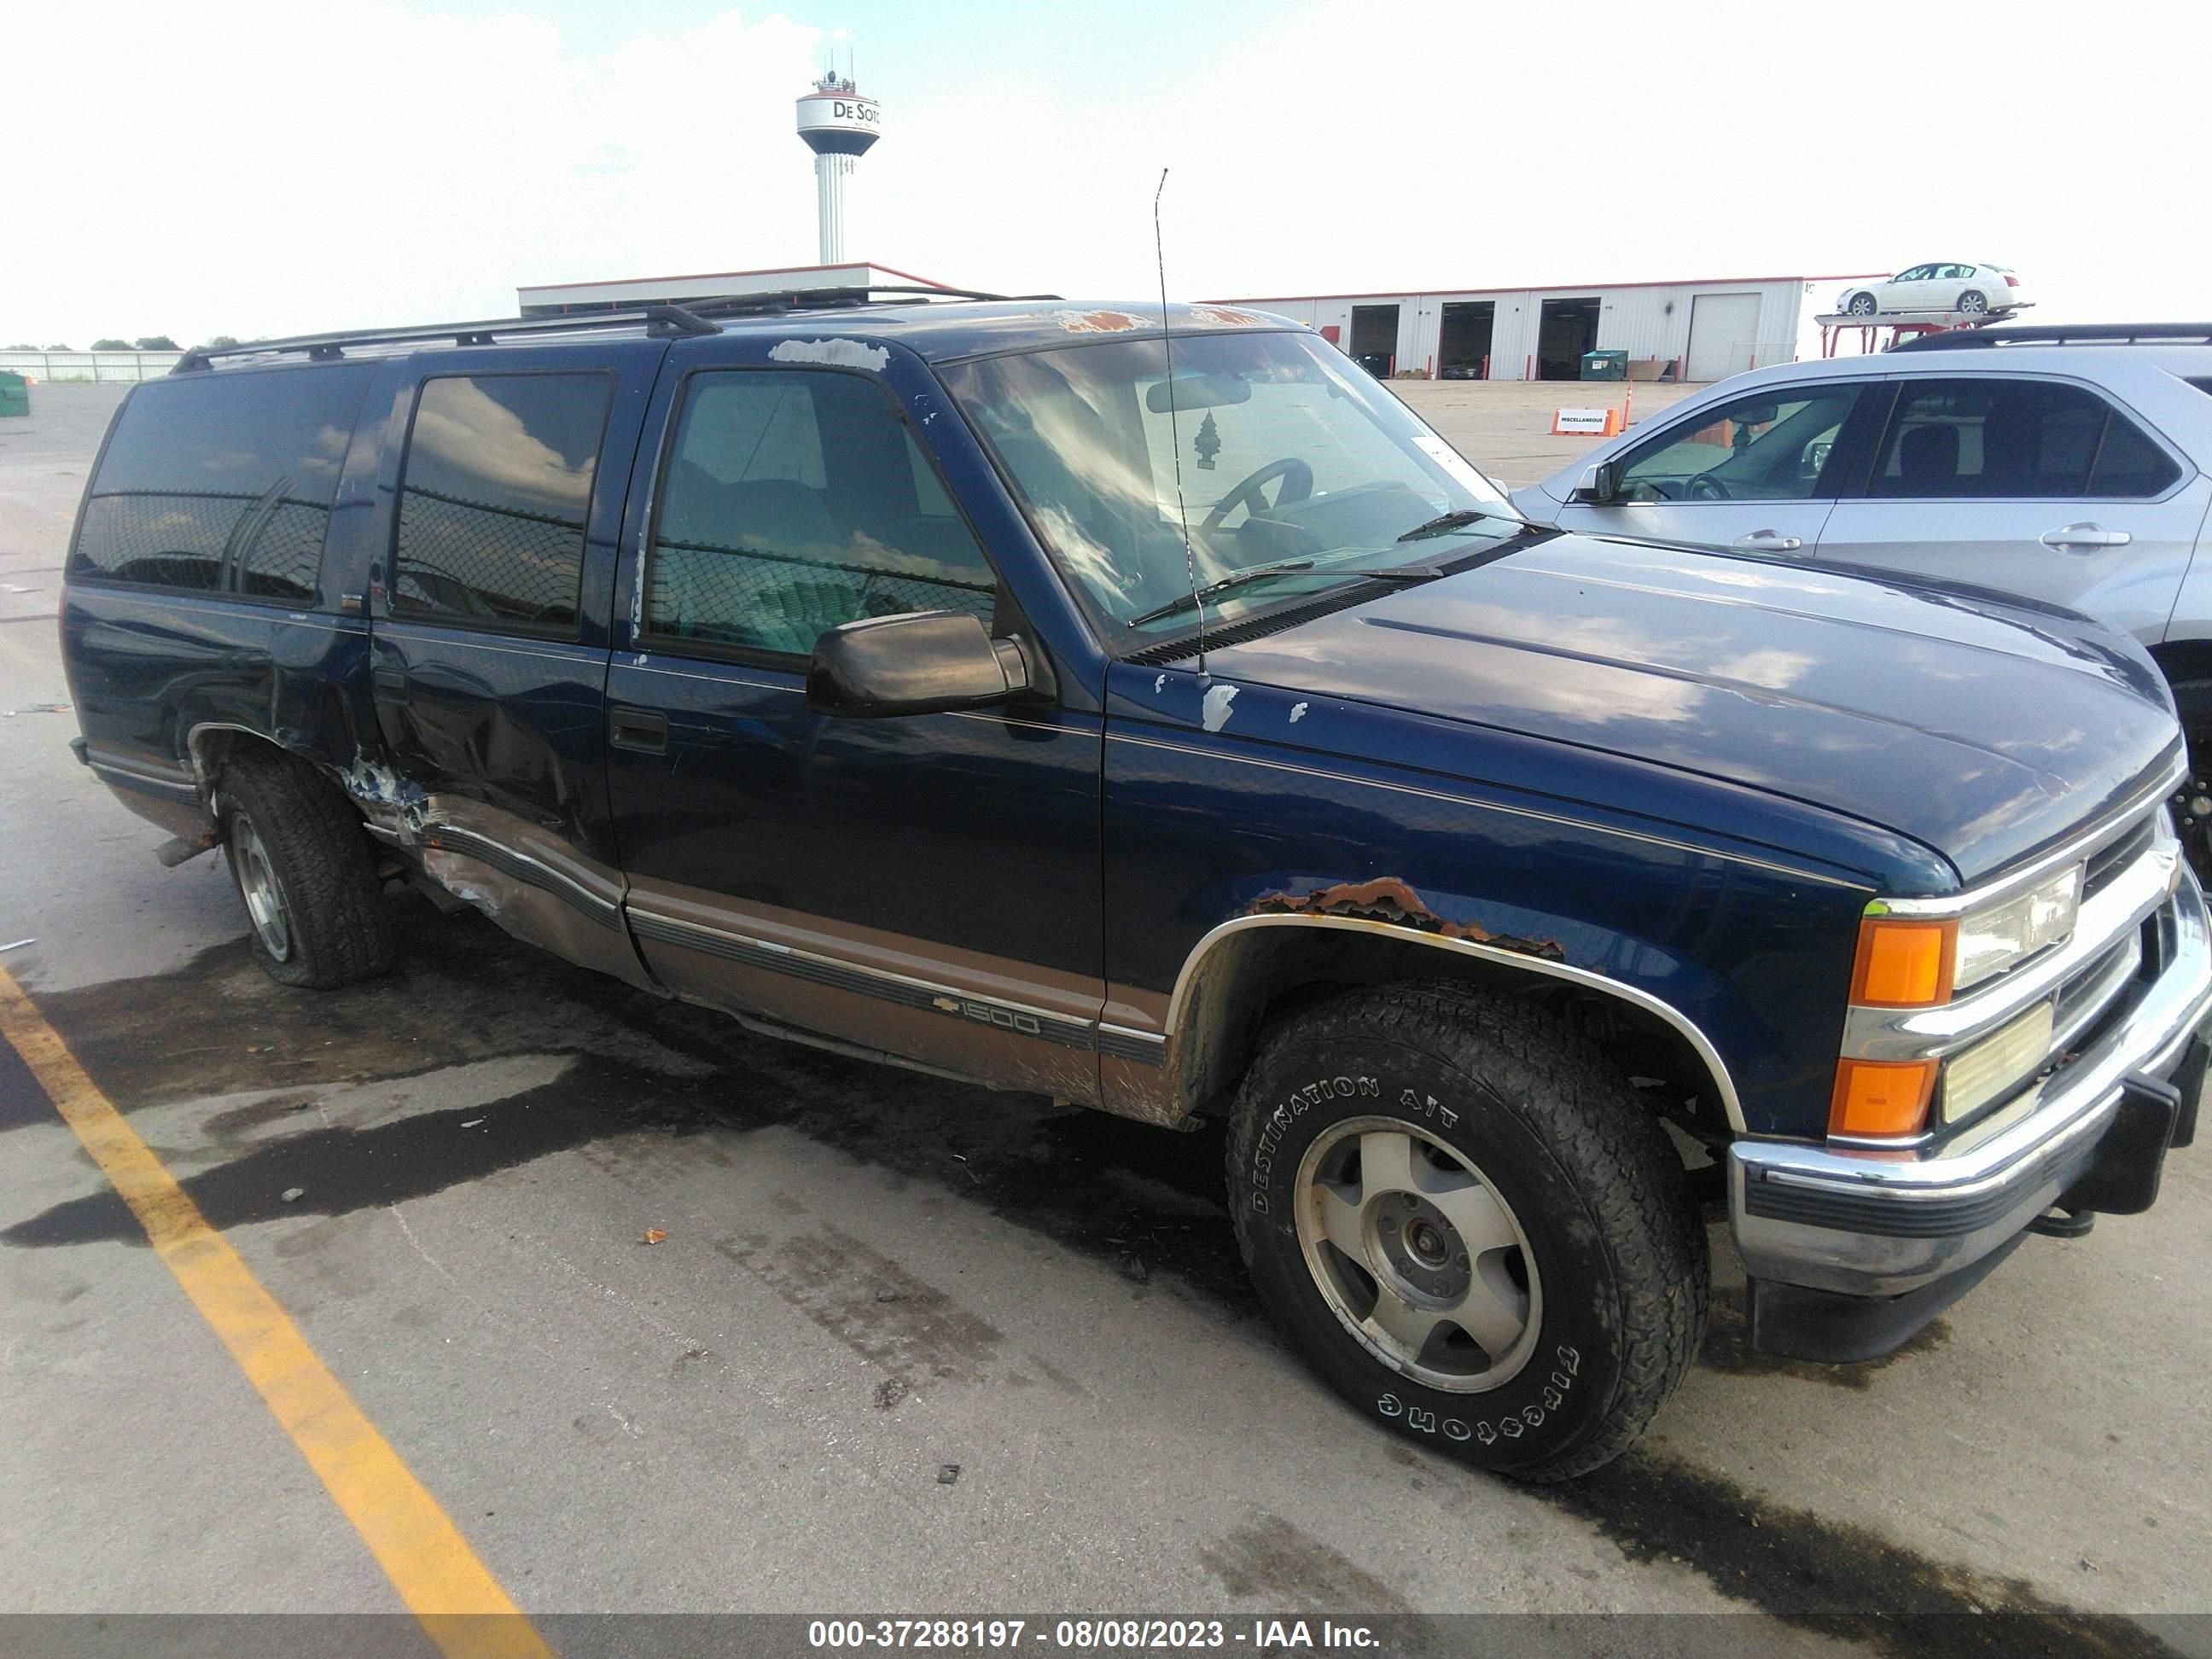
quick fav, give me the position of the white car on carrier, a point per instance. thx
(1970, 290)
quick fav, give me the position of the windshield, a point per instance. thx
(1293, 462)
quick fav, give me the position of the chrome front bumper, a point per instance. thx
(1880, 1223)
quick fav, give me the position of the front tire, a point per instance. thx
(1863, 305)
(1469, 1224)
(304, 870)
(2192, 803)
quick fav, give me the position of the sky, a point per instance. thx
(270, 166)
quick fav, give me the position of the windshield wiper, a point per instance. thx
(1444, 523)
(1197, 597)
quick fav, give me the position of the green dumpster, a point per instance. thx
(14, 394)
(1605, 365)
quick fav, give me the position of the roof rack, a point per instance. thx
(1969, 339)
(665, 320)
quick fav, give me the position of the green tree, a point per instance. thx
(157, 343)
(22, 345)
(220, 341)
(111, 343)
(64, 346)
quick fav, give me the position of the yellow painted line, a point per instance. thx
(454, 1594)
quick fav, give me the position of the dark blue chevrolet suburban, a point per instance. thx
(1141, 706)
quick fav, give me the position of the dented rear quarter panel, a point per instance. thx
(1501, 839)
(149, 668)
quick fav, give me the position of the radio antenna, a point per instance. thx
(1175, 436)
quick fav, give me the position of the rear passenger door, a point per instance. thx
(925, 886)
(488, 642)
(2028, 485)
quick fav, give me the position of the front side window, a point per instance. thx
(222, 480)
(1769, 446)
(1269, 447)
(2014, 439)
(795, 500)
(495, 497)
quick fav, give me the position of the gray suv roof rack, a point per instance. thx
(1968, 339)
(658, 319)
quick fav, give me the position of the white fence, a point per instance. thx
(90, 365)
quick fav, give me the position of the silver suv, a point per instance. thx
(2068, 465)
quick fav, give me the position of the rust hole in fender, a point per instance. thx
(1390, 900)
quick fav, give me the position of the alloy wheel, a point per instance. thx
(1418, 1254)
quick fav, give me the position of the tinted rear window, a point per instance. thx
(497, 489)
(2017, 439)
(222, 484)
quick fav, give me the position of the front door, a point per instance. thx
(925, 886)
(2026, 486)
(1755, 475)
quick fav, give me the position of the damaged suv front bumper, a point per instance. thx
(1850, 1252)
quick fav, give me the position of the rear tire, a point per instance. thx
(1973, 303)
(1469, 1224)
(304, 870)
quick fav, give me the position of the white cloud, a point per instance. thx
(249, 166)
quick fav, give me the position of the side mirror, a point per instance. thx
(1599, 485)
(921, 663)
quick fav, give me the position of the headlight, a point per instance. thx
(1997, 1065)
(1993, 940)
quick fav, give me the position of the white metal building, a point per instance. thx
(1707, 329)
(548, 297)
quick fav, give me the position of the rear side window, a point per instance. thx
(495, 496)
(795, 500)
(2016, 440)
(222, 483)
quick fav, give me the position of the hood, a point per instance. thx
(1981, 729)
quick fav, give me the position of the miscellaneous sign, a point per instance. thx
(1585, 422)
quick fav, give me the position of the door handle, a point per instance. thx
(645, 730)
(1769, 541)
(2085, 535)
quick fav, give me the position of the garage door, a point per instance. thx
(1723, 334)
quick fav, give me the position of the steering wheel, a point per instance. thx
(1298, 485)
(1706, 487)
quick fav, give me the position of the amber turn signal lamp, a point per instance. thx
(1904, 964)
(1878, 1097)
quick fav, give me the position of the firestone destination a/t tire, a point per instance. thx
(1469, 1224)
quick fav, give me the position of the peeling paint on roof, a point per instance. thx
(841, 354)
(1100, 322)
(1227, 317)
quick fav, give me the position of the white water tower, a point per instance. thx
(839, 125)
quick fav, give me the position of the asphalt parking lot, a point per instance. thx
(865, 1278)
